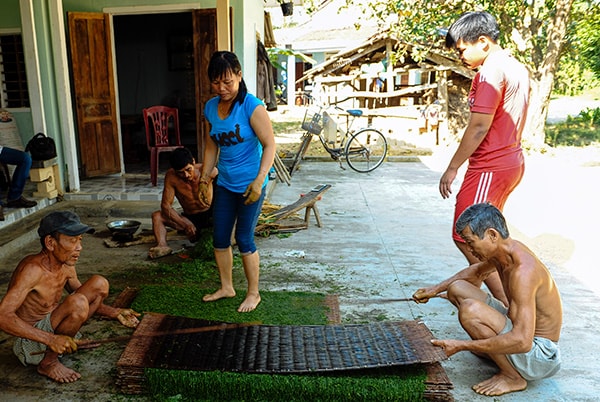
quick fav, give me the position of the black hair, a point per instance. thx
(470, 26)
(481, 217)
(222, 62)
(180, 158)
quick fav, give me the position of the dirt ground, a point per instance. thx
(96, 255)
(120, 264)
(97, 371)
(367, 249)
(567, 248)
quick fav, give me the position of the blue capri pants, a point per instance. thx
(229, 207)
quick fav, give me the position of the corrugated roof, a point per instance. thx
(373, 50)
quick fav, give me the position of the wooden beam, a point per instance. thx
(392, 94)
(443, 92)
(223, 24)
(342, 59)
(450, 64)
(336, 79)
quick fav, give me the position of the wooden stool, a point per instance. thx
(308, 201)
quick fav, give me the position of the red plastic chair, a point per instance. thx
(160, 121)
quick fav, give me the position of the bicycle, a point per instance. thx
(364, 150)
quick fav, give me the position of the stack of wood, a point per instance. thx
(275, 219)
(268, 224)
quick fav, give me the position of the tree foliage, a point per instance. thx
(586, 36)
(525, 26)
(579, 68)
(534, 30)
(275, 52)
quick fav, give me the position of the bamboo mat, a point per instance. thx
(272, 349)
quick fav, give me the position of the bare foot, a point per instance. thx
(219, 294)
(58, 372)
(500, 384)
(249, 303)
(159, 251)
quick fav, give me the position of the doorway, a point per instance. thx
(154, 58)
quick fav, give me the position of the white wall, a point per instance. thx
(244, 36)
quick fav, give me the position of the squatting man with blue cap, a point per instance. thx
(522, 339)
(34, 310)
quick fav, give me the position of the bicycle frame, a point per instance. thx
(337, 153)
(364, 149)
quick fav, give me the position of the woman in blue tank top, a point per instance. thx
(241, 144)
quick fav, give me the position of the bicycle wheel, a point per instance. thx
(366, 150)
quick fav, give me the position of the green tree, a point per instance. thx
(535, 30)
(584, 36)
(579, 66)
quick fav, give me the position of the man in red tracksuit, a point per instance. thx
(491, 142)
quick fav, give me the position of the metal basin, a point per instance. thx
(123, 227)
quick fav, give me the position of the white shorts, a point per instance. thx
(542, 361)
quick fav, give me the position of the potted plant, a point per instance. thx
(287, 7)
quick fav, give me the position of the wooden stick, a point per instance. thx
(375, 301)
(282, 172)
(91, 343)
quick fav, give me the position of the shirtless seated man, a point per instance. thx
(182, 181)
(522, 339)
(32, 309)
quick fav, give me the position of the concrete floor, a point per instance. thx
(387, 233)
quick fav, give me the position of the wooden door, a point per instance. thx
(94, 89)
(205, 44)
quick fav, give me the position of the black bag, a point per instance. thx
(41, 147)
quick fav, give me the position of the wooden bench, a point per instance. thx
(308, 201)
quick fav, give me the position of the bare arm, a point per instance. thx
(209, 158)
(25, 283)
(125, 316)
(168, 198)
(524, 286)
(474, 274)
(477, 129)
(73, 282)
(261, 124)
(209, 170)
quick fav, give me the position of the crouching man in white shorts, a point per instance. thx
(522, 339)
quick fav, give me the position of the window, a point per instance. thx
(13, 93)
